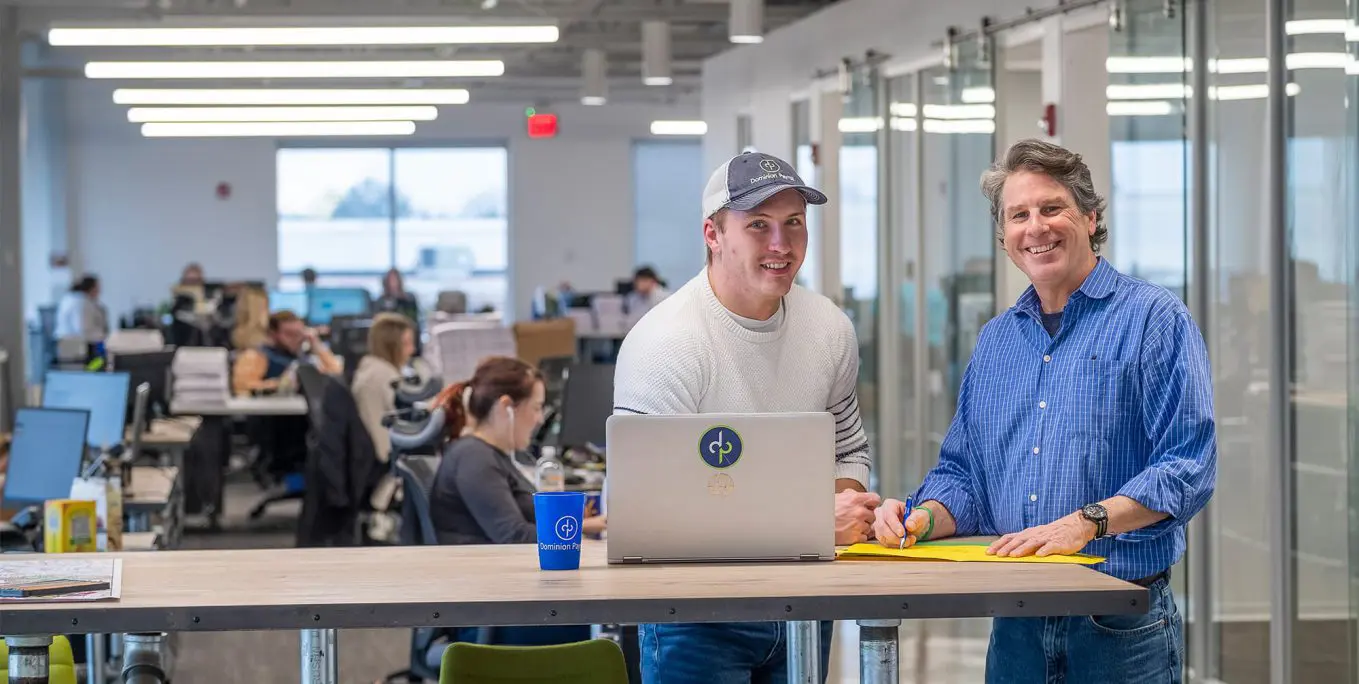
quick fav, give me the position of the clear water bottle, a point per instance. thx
(549, 475)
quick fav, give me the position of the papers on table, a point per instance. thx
(41, 574)
(964, 550)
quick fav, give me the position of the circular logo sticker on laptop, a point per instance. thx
(720, 484)
(720, 447)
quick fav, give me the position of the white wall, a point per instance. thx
(43, 204)
(140, 209)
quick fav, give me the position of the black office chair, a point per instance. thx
(427, 643)
(292, 484)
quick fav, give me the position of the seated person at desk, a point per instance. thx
(250, 328)
(647, 291)
(288, 343)
(479, 495)
(395, 298)
(391, 343)
(80, 314)
(192, 275)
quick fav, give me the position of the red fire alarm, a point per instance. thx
(1049, 122)
(223, 190)
(542, 126)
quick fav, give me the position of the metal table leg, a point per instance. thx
(95, 658)
(879, 658)
(320, 662)
(804, 652)
(28, 659)
(142, 659)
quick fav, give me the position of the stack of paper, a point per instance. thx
(201, 376)
(964, 550)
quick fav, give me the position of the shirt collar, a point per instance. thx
(1099, 284)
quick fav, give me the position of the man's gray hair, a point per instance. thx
(1062, 165)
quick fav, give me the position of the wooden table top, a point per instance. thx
(150, 486)
(419, 586)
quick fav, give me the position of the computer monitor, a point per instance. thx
(587, 403)
(328, 302)
(152, 368)
(104, 395)
(45, 455)
(295, 302)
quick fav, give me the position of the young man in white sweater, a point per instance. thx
(740, 337)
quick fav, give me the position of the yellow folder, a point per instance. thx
(961, 550)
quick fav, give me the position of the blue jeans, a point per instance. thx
(1085, 649)
(720, 653)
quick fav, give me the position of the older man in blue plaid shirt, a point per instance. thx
(1084, 423)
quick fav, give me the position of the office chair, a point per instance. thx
(597, 661)
(417, 527)
(292, 484)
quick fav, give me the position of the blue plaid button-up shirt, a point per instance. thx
(1118, 402)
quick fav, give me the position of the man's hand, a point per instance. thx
(888, 528)
(1068, 534)
(854, 516)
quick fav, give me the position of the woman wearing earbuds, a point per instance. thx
(479, 496)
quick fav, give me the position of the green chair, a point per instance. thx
(598, 661)
(61, 667)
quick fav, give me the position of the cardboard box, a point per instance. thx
(70, 526)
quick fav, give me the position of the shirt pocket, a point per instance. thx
(1104, 397)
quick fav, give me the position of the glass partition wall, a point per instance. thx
(1237, 196)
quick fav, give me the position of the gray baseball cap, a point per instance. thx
(748, 179)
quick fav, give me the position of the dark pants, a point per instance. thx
(1084, 649)
(721, 653)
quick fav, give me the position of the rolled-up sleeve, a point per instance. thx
(1178, 416)
(951, 482)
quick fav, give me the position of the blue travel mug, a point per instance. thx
(559, 516)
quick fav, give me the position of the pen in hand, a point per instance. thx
(904, 515)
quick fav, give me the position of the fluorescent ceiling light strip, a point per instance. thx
(1148, 91)
(969, 111)
(978, 95)
(903, 125)
(297, 69)
(299, 35)
(1254, 91)
(658, 80)
(1242, 65)
(903, 109)
(223, 114)
(1139, 108)
(280, 96)
(1298, 27)
(984, 126)
(860, 124)
(277, 129)
(679, 127)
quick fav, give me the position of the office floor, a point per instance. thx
(956, 649)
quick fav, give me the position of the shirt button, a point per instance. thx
(1047, 358)
(1035, 450)
(1033, 497)
(1042, 404)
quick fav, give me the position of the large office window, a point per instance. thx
(668, 179)
(437, 214)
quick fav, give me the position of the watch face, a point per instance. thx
(1094, 512)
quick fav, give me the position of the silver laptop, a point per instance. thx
(721, 487)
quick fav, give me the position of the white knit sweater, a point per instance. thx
(689, 355)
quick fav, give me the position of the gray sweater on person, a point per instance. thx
(479, 497)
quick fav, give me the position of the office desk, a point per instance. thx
(293, 405)
(167, 434)
(321, 590)
(154, 490)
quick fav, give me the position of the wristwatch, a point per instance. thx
(1099, 515)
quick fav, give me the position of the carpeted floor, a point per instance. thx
(271, 657)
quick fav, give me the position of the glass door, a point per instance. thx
(859, 129)
(956, 289)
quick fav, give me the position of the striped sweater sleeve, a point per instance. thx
(853, 459)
